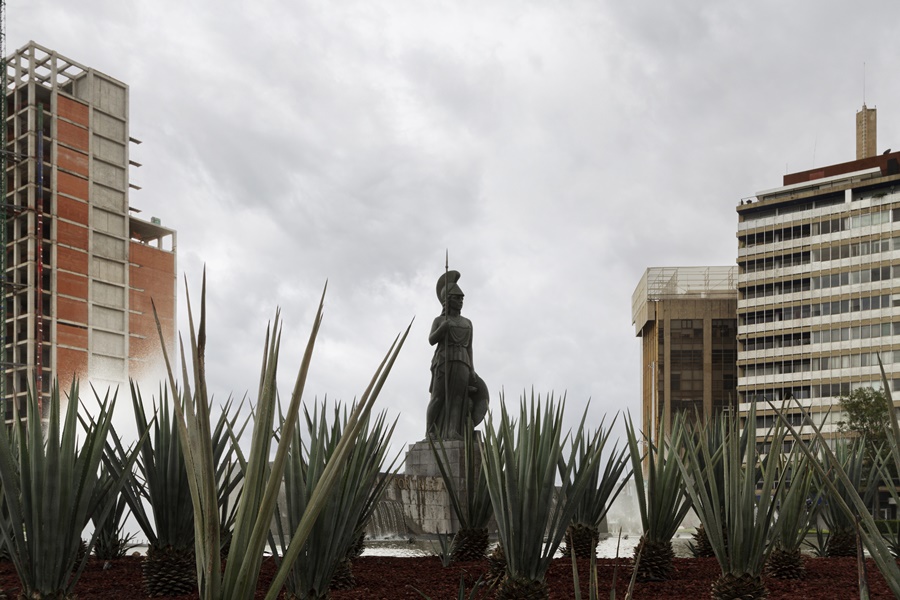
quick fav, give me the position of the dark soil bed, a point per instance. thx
(393, 578)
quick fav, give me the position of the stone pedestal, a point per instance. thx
(434, 513)
(417, 502)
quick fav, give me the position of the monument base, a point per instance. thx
(421, 494)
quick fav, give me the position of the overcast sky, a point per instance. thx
(556, 149)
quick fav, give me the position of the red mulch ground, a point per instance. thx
(393, 578)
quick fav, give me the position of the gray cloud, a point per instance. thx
(556, 150)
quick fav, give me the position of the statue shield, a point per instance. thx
(480, 398)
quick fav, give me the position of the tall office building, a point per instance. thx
(819, 285)
(79, 268)
(685, 317)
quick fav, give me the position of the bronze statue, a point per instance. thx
(457, 393)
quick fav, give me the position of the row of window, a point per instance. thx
(819, 202)
(775, 262)
(820, 282)
(773, 289)
(823, 336)
(855, 249)
(827, 226)
(795, 419)
(822, 363)
(825, 253)
(776, 341)
(857, 332)
(804, 392)
(819, 309)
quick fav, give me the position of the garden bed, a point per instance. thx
(394, 578)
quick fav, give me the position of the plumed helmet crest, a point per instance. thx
(447, 284)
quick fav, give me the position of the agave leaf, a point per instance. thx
(112, 542)
(864, 478)
(332, 469)
(662, 500)
(854, 504)
(800, 505)
(748, 520)
(256, 505)
(51, 490)
(521, 462)
(474, 510)
(601, 489)
(336, 526)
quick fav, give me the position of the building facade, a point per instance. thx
(79, 269)
(685, 317)
(819, 288)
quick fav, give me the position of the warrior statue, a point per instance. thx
(458, 395)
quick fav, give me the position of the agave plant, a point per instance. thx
(261, 481)
(376, 492)
(835, 479)
(472, 504)
(862, 473)
(713, 429)
(51, 488)
(112, 542)
(334, 531)
(168, 567)
(520, 462)
(797, 513)
(739, 524)
(605, 482)
(662, 500)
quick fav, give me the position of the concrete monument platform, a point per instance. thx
(420, 492)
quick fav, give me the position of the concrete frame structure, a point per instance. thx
(819, 288)
(685, 317)
(79, 268)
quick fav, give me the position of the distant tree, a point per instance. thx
(866, 411)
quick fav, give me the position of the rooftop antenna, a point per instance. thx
(815, 145)
(864, 83)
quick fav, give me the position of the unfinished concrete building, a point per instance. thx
(79, 269)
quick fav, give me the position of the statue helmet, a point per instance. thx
(447, 284)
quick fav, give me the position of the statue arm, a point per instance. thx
(438, 330)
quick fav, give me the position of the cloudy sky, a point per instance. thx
(556, 149)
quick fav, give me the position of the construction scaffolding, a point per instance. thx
(31, 77)
(659, 283)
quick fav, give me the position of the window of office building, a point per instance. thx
(724, 363)
(686, 364)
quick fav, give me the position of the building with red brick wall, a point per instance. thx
(80, 269)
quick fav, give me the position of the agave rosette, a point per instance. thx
(471, 505)
(262, 479)
(335, 528)
(522, 460)
(835, 479)
(605, 481)
(51, 489)
(662, 500)
(739, 515)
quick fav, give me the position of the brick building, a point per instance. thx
(80, 269)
